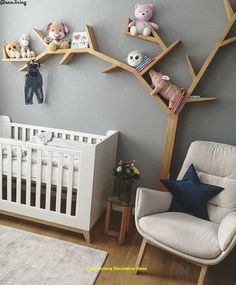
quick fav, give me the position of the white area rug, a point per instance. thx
(31, 259)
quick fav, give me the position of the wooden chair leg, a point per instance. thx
(202, 275)
(140, 255)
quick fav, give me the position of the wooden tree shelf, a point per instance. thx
(69, 54)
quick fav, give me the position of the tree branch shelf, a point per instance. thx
(154, 38)
(201, 99)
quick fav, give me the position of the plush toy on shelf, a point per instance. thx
(56, 38)
(13, 49)
(24, 44)
(134, 58)
(141, 25)
(137, 60)
(163, 86)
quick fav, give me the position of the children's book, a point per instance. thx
(178, 102)
(79, 40)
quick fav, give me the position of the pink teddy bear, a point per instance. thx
(141, 25)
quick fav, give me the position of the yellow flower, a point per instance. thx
(119, 169)
(135, 169)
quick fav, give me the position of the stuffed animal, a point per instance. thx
(56, 38)
(134, 58)
(141, 25)
(13, 49)
(163, 86)
(25, 50)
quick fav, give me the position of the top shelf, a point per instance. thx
(153, 38)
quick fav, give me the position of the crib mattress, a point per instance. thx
(44, 169)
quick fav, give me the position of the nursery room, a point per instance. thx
(117, 142)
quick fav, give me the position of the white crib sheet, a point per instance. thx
(44, 158)
(44, 170)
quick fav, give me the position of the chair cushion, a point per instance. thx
(190, 196)
(184, 233)
(215, 164)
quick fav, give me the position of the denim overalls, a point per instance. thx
(33, 84)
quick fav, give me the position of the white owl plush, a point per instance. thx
(134, 58)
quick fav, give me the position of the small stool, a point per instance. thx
(125, 220)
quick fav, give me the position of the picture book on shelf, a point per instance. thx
(145, 62)
(178, 102)
(79, 40)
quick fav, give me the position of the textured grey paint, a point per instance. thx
(80, 97)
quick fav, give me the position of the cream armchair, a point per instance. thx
(199, 241)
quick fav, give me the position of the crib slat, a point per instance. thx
(0, 171)
(72, 137)
(9, 171)
(64, 136)
(16, 133)
(31, 133)
(28, 179)
(39, 178)
(49, 180)
(70, 185)
(77, 201)
(59, 183)
(23, 134)
(77, 190)
(18, 179)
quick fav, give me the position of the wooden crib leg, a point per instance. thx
(87, 236)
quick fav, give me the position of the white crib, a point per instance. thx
(70, 192)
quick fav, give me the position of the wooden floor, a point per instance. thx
(163, 268)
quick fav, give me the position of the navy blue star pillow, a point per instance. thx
(190, 196)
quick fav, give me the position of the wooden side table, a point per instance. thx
(125, 220)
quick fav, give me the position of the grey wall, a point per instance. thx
(80, 97)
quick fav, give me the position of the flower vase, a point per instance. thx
(124, 190)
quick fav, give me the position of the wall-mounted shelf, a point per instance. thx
(18, 59)
(153, 38)
(69, 54)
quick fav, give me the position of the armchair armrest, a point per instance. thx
(227, 230)
(151, 201)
